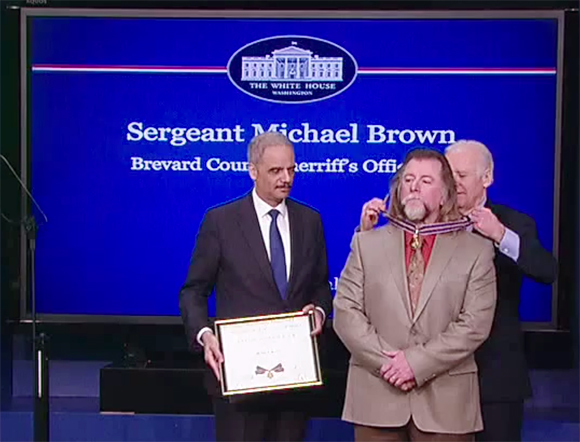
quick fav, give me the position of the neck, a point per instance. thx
(432, 218)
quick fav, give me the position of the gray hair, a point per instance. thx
(261, 142)
(486, 157)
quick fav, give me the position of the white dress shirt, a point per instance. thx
(510, 243)
(265, 220)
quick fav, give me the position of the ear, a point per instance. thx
(253, 171)
(487, 178)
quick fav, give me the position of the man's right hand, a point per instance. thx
(212, 353)
(371, 212)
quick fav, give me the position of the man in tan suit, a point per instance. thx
(415, 300)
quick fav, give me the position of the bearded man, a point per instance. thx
(414, 301)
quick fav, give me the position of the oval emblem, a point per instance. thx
(292, 69)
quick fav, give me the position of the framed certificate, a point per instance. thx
(265, 353)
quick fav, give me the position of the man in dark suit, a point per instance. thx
(503, 373)
(264, 254)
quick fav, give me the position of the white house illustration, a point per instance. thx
(292, 63)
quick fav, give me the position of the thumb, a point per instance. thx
(390, 354)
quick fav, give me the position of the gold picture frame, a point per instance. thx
(268, 353)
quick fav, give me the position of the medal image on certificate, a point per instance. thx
(265, 353)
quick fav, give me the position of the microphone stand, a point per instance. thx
(41, 410)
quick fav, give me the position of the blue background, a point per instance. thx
(119, 241)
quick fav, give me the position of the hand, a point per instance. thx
(408, 386)
(397, 371)
(212, 353)
(487, 224)
(318, 319)
(371, 212)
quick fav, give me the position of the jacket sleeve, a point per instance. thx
(200, 280)
(351, 324)
(534, 260)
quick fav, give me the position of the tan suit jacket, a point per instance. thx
(453, 317)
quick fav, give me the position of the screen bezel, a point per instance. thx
(25, 78)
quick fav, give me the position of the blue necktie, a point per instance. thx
(277, 258)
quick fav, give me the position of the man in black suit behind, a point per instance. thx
(264, 254)
(503, 373)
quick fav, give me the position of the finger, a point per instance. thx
(390, 354)
(317, 329)
(378, 207)
(308, 308)
(219, 357)
(388, 371)
(376, 204)
(481, 211)
(371, 214)
(399, 381)
(215, 370)
(474, 217)
(212, 363)
(384, 369)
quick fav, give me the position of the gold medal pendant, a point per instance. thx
(416, 242)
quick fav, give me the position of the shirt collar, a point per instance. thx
(426, 238)
(263, 208)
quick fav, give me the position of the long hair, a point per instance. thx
(449, 210)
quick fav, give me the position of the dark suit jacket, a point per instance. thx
(501, 359)
(231, 257)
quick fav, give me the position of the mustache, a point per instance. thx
(411, 198)
(284, 186)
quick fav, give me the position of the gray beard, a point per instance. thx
(415, 212)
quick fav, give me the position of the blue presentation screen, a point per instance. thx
(138, 125)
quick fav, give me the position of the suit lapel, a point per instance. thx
(250, 227)
(443, 250)
(296, 244)
(394, 250)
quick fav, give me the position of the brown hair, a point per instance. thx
(449, 210)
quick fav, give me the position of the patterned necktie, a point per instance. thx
(415, 272)
(277, 257)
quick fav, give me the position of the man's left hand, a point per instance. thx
(487, 224)
(318, 319)
(397, 371)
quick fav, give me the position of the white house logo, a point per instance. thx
(292, 69)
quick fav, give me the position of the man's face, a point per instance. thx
(422, 190)
(470, 180)
(274, 174)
